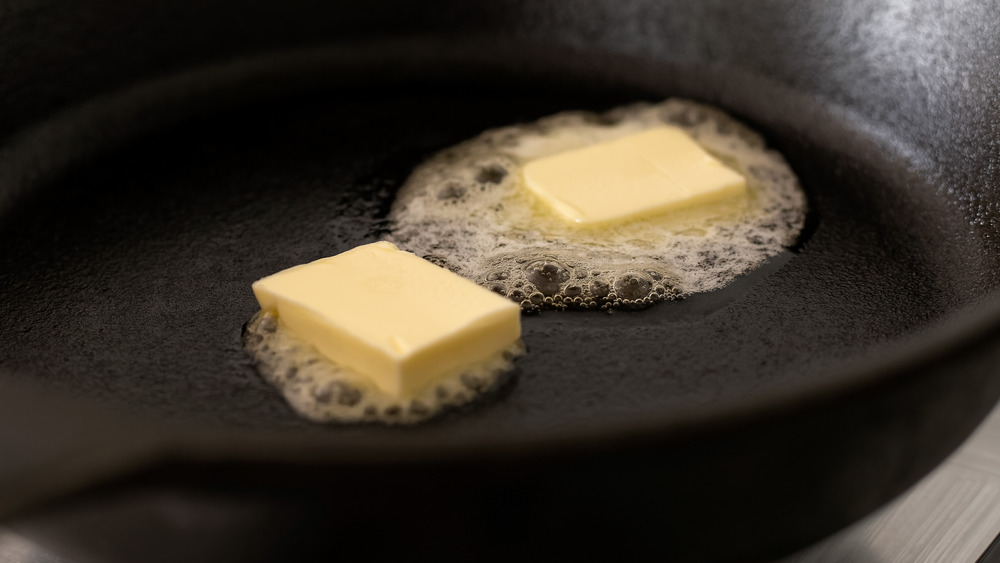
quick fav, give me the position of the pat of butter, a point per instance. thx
(391, 316)
(651, 172)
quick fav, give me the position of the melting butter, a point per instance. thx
(649, 173)
(379, 328)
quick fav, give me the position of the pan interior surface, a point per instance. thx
(127, 280)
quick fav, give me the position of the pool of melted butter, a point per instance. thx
(465, 209)
(321, 391)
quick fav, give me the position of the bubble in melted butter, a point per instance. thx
(465, 209)
(321, 391)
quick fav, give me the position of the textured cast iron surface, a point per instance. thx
(128, 281)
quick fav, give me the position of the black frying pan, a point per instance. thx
(159, 157)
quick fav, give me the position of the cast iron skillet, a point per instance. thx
(156, 159)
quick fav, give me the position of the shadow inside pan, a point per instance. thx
(127, 280)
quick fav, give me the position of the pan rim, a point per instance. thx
(974, 325)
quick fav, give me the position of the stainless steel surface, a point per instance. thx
(17, 549)
(949, 517)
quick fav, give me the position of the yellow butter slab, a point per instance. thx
(390, 315)
(648, 173)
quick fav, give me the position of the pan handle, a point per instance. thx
(51, 446)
